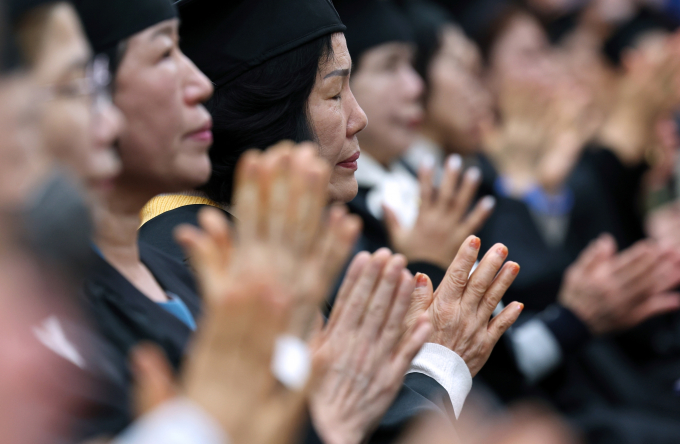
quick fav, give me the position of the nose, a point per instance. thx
(357, 120)
(413, 84)
(198, 88)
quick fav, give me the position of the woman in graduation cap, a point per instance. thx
(292, 82)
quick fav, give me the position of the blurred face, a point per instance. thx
(164, 147)
(336, 119)
(23, 161)
(76, 129)
(458, 104)
(520, 49)
(389, 90)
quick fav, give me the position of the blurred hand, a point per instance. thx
(268, 280)
(460, 309)
(228, 370)
(649, 91)
(610, 291)
(443, 221)
(362, 354)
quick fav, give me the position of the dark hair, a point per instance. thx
(261, 107)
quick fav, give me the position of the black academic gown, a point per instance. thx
(123, 317)
(605, 201)
(598, 386)
(420, 394)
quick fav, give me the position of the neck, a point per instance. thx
(430, 132)
(117, 220)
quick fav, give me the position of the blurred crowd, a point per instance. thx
(340, 222)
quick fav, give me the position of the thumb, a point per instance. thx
(421, 299)
(154, 382)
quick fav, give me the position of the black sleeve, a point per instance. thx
(568, 329)
(420, 395)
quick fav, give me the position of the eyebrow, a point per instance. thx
(338, 73)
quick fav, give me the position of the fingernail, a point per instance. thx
(427, 162)
(454, 162)
(515, 269)
(421, 280)
(502, 251)
(475, 242)
(520, 307)
(488, 202)
(473, 174)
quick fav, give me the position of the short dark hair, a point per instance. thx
(262, 106)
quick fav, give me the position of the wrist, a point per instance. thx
(338, 435)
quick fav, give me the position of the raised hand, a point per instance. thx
(443, 220)
(649, 91)
(228, 372)
(460, 310)
(610, 291)
(362, 354)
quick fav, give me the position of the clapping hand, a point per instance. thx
(363, 353)
(612, 291)
(443, 220)
(460, 310)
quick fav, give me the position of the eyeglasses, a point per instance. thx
(96, 85)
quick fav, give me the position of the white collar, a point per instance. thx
(396, 188)
(421, 149)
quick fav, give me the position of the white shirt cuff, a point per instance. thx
(536, 349)
(448, 369)
(179, 421)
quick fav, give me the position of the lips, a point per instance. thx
(204, 134)
(350, 162)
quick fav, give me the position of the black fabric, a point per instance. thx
(126, 317)
(226, 38)
(372, 23)
(427, 20)
(605, 201)
(420, 395)
(567, 328)
(109, 22)
(16, 9)
(159, 231)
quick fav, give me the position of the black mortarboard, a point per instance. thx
(427, 20)
(226, 38)
(371, 23)
(109, 22)
(17, 8)
(627, 35)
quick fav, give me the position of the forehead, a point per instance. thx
(64, 41)
(341, 58)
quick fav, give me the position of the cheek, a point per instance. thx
(153, 113)
(66, 133)
(330, 129)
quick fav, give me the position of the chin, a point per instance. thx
(342, 192)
